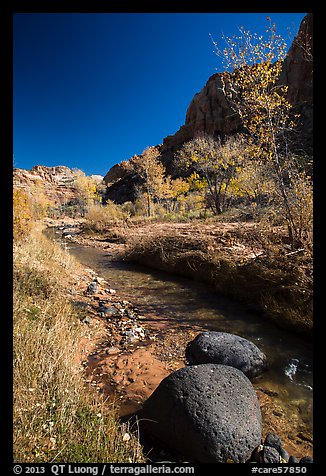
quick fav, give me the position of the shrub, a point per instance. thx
(22, 214)
(100, 217)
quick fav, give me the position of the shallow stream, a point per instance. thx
(168, 299)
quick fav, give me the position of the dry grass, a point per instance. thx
(56, 418)
(252, 264)
(100, 218)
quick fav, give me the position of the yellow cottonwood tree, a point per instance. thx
(254, 65)
(22, 214)
(86, 187)
(215, 165)
(151, 170)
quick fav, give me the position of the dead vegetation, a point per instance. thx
(56, 417)
(247, 262)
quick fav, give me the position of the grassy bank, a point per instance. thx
(248, 263)
(56, 417)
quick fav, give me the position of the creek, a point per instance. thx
(168, 299)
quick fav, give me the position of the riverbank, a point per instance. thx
(131, 370)
(244, 261)
(59, 415)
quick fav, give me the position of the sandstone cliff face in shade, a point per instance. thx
(211, 111)
(297, 72)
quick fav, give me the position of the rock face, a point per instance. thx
(122, 184)
(208, 413)
(116, 172)
(209, 111)
(297, 71)
(227, 349)
(97, 178)
(58, 183)
(297, 74)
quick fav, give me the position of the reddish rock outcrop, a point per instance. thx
(57, 183)
(297, 71)
(209, 111)
(117, 172)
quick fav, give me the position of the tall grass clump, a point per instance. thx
(102, 217)
(56, 417)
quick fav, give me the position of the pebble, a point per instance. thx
(80, 304)
(92, 288)
(270, 455)
(256, 454)
(87, 320)
(112, 350)
(293, 460)
(306, 459)
(107, 311)
(284, 454)
(273, 440)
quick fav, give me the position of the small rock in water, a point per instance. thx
(306, 459)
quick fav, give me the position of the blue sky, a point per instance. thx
(93, 89)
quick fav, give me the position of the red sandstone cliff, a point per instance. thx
(56, 182)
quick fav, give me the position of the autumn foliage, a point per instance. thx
(22, 214)
(260, 100)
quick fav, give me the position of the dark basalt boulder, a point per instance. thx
(227, 349)
(207, 413)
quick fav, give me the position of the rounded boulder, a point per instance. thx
(207, 413)
(227, 349)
